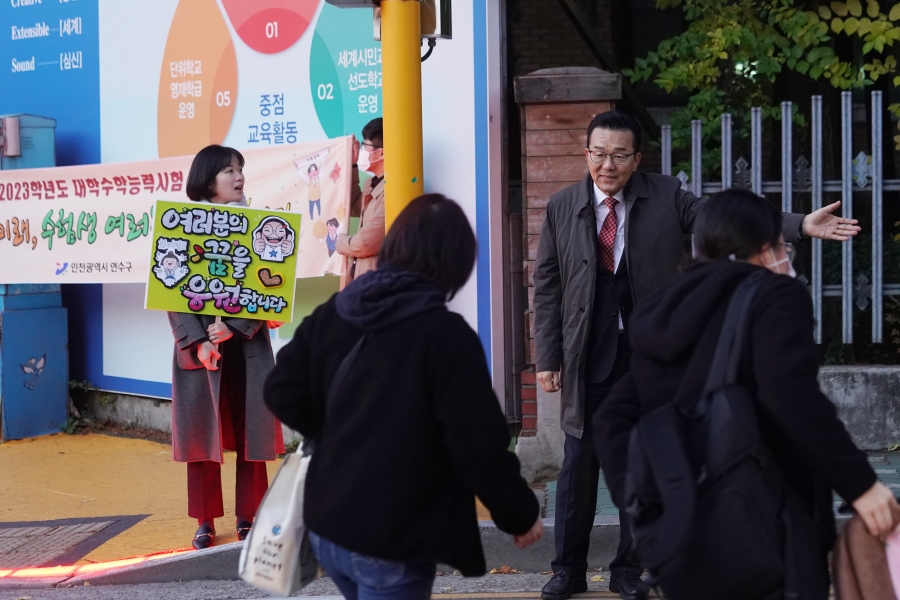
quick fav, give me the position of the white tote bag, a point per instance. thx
(277, 556)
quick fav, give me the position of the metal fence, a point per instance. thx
(859, 174)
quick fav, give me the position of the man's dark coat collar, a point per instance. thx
(637, 187)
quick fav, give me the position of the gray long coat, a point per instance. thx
(658, 215)
(197, 432)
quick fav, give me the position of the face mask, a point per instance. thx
(774, 266)
(365, 160)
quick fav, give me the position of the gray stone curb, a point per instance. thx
(221, 562)
(217, 563)
(500, 551)
(30, 583)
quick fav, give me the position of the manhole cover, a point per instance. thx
(52, 543)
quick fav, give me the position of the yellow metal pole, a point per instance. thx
(401, 78)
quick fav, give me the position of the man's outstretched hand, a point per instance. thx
(824, 225)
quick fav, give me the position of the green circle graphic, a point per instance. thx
(345, 70)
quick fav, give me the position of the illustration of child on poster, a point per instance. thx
(308, 168)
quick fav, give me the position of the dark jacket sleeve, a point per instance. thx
(548, 300)
(355, 193)
(786, 366)
(187, 329)
(245, 327)
(288, 389)
(612, 426)
(688, 204)
(475, 433)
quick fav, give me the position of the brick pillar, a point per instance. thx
(555, 106)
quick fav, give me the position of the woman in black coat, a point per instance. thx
(737, 234)
(413, 430)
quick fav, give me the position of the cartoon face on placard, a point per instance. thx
(273, 239)
(170, 261)
(223, 260)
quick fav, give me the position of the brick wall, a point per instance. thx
(553, 142)
(542, 37)
(552, 135)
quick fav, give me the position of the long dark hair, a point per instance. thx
(201, 181)
(735, 222)
(432, 237)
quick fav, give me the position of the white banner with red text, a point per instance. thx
(93, 223)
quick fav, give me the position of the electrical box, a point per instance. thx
(436, 19)
(34, 361)
(27, 142)
(435, 16)
(34, 348)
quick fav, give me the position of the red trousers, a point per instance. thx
(205, 477)
(205, 489)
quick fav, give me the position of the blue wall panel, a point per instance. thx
(50, 66)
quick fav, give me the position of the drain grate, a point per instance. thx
(52, 543)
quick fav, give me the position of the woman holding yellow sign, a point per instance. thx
(217, 407)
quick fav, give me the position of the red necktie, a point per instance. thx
(608, 237)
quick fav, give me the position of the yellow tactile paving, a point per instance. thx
(70, 476)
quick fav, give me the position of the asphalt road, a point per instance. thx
(451, 587)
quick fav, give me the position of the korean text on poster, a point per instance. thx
(227, 261)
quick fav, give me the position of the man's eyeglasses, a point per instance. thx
(370, 147)
(618, 159)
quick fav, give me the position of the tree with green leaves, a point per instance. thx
(733, 53)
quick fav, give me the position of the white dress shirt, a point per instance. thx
(601, 211)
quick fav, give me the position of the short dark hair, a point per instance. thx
(333, 222)
(432, 237)
(735, 222)
(201, 181)
(311, 167)
(616, 120)
(374, 131)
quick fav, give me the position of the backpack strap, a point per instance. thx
(724, 368)
(727, 356)
(309, 444)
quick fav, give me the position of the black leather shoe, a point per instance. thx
(562, 586)
(204, 537)
(243, 528)
(630, 586)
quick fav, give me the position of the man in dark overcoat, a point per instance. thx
(605, 243)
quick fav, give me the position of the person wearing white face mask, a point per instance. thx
(361, 249)
(674, 334)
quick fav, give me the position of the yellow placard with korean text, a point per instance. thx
(223, 260)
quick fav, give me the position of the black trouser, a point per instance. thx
(576, 488)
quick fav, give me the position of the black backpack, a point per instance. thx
(710, 515)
